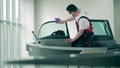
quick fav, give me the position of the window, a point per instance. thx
(10, 29)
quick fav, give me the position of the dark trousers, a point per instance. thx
(83, 41)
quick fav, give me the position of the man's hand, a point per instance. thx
(57, 20)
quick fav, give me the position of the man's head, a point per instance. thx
(72, 9)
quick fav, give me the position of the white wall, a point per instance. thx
(27, 20)
(46, 10)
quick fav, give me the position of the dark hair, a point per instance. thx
(71, 8)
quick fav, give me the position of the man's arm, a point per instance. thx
(76, 37)
(68, 19)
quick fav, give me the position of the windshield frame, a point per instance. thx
(110, 35)
(67, 31)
